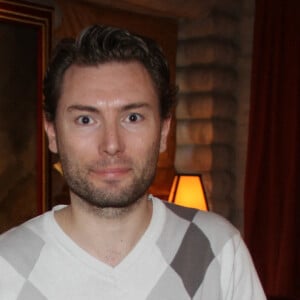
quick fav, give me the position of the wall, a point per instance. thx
(213, 74)
(245, 40)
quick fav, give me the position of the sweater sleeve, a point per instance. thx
(242, 281)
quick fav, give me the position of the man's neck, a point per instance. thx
(109, 239)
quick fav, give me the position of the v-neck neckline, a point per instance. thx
(144, 245)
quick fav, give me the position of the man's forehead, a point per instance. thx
(106, 68)
(111, 84)
(113, 73)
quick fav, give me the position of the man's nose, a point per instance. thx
(112, 142)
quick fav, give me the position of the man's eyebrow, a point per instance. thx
(79, 107)
(135, 106)
(92, 109)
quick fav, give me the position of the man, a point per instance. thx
(108, 104)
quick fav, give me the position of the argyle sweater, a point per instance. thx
(184, 254)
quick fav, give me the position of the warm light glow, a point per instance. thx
(187, 190)
(57, 166)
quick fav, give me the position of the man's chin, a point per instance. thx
(102, 199)
(111, 207)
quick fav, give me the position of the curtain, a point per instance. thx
(272, 184)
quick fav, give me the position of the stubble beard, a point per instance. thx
(108, 200)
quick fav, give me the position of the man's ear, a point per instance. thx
(51, 134)
(166, 123)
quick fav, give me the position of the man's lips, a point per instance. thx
(111, 172)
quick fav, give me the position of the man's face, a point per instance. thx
(108, 133)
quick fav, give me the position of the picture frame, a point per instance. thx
(25, 43)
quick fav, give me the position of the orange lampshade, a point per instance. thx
(187, 190)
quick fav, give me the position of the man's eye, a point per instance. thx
(84, 120)
(134, 117)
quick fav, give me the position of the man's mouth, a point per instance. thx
(111, 173)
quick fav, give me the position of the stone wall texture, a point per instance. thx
(213, 60)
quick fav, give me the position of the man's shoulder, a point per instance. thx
(20, 249)
(200, 218)
(27, 235)
(215, 228)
